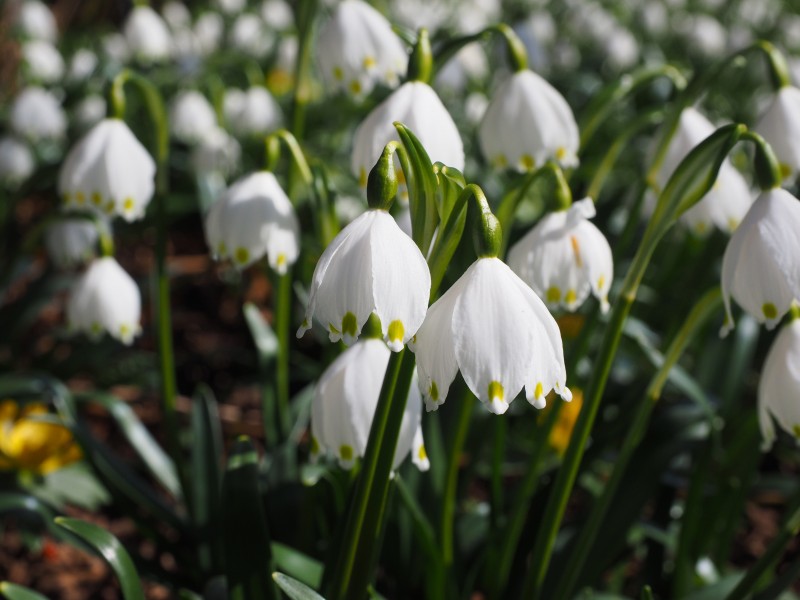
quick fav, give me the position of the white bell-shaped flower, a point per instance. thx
(115, 47)
(780, 126)
(217, 152)
(208, 30)
(251, 112)
(105, 299)
(277, 14)
(344, 404)
(81, 66)
(176, 15)
(231, 7)
(37, 115)
(370, 267)
(494, 329)
(16, 161)
(43, 62)
(148, 37)
(564, 257)
(527, 123)
(250, 35)
(191, 116)
(71, 242)
(109, 171)
(36, 21)
(416, 106)
(779, 386)
(727, 201)
(253, 218)
(358, 49)
(761, 265)
(90, 111)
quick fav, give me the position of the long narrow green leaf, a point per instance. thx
(264, 337)
(157, 461)
(13, 591)
(112, 552)
(207, 476)
(296, 590)
(248, 557)
(453, 216)
(298, 565)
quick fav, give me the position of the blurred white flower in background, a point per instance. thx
(35, 20)
(191, 116)
(148, 36)
(780, 127)
(71, 242)
(469, 63)
(372, 266)
(89, 111)
(704, 34)
(494, 329)
(357, 49)
(249, 35)
(564, 257)
(230, 7)
(16, 161)
(36, 115)
(176, 15)
(277, 14)
(345, 399)
(761, 265)
(81, 66)
(779, 386)
(475, 107)
(43, 62)
(108, 171)
(416, 106)
(254, 218)
(251, 112)
(218, 152)
(527, 123)
(115, 47)
(209, 29)
(105, 299)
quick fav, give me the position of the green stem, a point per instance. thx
(508, 537)
(169, 389)
(306, 11)
(704, 308)
(448, 501)
(787, 533)
(766, 166)
(422, 526)
(283, 317)
(500, 427)
(349, 577)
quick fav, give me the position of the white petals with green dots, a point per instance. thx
(253, 218)
(780, 126)
(108, 171)
(527, 123)
(344, 403)
(371, 266)
(358, 49)
(493, 328)
(564, 257)
(105, 299)
(761, 266)
(779, 386)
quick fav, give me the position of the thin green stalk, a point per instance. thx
(704, 308)
(500, 427)
(283, 317)
(508, 537)
(424, 530)
(448, 501)
(788, 532)
(346, 575)
(305, 12)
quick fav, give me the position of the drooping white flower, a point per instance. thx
(761, 265)
(37, 115)
(16, 161)
(417, 106)
(81, 66)
(191, 116)
(251, 112)
(105, 299)
(71, 242)
(344, 404)
(370, 267)
(779, 386)
(148, 36)
(218, 152)
(249, 35)
(357, 49)
(36, 21)
(43, 61)
(89, 111)
(727, 201)
(109, 171)
(527, 123)
(564, 257)
(253, 218)
(780, 126)
(494, 329)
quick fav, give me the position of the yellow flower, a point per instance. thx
(27, 443)
(562, 429)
